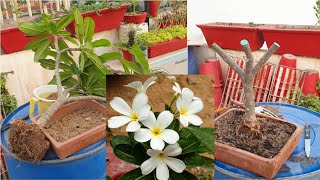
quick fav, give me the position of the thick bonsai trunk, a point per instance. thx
(247, 77)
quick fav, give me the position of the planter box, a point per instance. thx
(166, 47)
(106, 19)
(75, 144)
(253, 163)
(229, 35)
(297, 40)
(13, 40)
(139, 18)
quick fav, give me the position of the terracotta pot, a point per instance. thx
(166, 47)
(126, 55)
(297, 40)
(154, 8)
(138, 18)
(266, 167)
(106, 19)
(13, 40)
(75, 144)
(229, 35)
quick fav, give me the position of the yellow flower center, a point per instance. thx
(162, 155)
(134, 116)
(183, 111)
(156, 132)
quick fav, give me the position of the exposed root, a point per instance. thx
(27, 141)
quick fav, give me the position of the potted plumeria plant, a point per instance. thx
(164, 144)
(134, 16)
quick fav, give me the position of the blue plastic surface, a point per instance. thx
(193, 67)
(297, 170)
(89, 163)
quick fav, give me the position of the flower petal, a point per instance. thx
(119, 105)
(142, 135)
(157, 143)
(176, 88)
(139, 101)
(162, 171)
(152, 152)
(150, 122)
(173, 150)
(186, 96)
(164, 119)
(133, 126)
(118, 121)
(149, 82)
(175, 164)
(149, 165)
(137, 85)
(143, 112)
(194, 119)
(184, 121)
(178, 103)
(195, 107)
(169, 136)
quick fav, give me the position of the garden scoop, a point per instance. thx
(258, 110)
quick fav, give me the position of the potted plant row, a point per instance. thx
(249, 141)
(85, 81)
(162, 41)
(134, 16)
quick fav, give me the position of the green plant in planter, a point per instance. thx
(318, 86)
(162, 35)
(8, 102)
(156, 142)
(317, 11)
(309, 101)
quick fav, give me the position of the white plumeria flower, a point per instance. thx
(137, 85)
(161, 160)
(177, 89)
(139, 112)
(157, 132)
(188, 108)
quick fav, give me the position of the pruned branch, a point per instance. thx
(249, 62)
(263, 60)
(228, 60)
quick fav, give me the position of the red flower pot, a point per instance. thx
(229, 35)
(13, 40)
(137, 18)
(309, 85)
(106, 19)
(297, 40)
(126, 55)
(154, 8)
(166, 47)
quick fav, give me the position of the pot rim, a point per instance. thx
(230, 27)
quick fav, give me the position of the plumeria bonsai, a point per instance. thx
(163, 143)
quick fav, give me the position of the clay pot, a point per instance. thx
(266, 167)
(75, 144)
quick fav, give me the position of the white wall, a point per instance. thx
(244, 11)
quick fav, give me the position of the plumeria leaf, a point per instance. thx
(42, 51)
(209, 162)
(135, 175)
(50, 64)
(101, 43)
(109, 178)
(116, 140)
(64, 21)
(204, 135)
(188, 142)
(185, 175)
(132, 154)
(36, 43)
(192, 160)
(174, 125)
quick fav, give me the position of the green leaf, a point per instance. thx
(63, 76)
(204, 135)
(185, 175)
(50, 64)
(63, 45)
(135, 174)
(64, 21)
(95, 59)
(129, 65)
(174, 125)
(117, 140)
(188, 142)
(82, 61)
(109, 56)
(140, 58)
(192, 160)
(77, 16)
(30, 28)
(36, 43)
(43, 50)
(109, 178)
(89, 29)
(75, 69)
(134, 155)
(101, 43)
(73, 41)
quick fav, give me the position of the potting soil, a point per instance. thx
(75, 123)
(274, 134)
(27, 141)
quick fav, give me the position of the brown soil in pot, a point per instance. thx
(274, 134)
(161, 93)
(75, 124)
(53, 96)
(27, 141)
